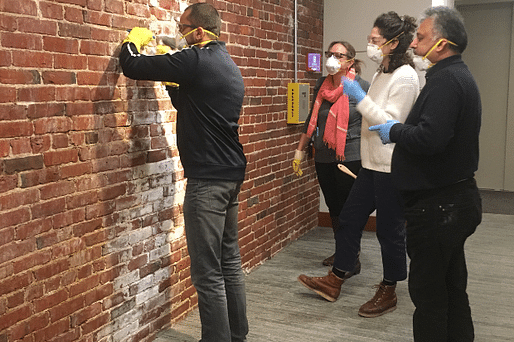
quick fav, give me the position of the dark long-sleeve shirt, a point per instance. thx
(438, 144)
(208, 103)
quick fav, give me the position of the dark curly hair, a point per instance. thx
(402, 29)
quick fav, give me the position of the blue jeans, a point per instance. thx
(438, 223)
(210, 217)
(373, 190)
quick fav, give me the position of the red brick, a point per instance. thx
(100, 210)
(6, 235)
(86, 122)
(34, 323)
(84, 285)
(32, 260)
(34, 291)
(73, 14)
(13, 112)
(27, 7)
(67, 308)
(48, 208)
(21, 146)
(52, 125)
(80, 108)
(24, 41)
(46, 27)
(36, 177)
(62, 61)
(13, 283)
(13, 218)
(114, 6)
(51, 10)
(59, 77)
(5, 147)
(69, 217)
(33, 228)
(51, 300)
(60, 141)
(13, 129)
(55, 329)
(13, 76)
(74, 30)
(90, 47)
(67, 248)
(84, 315)
(8, 94)
(98, 18)
(36, 94)
(105, 164)
(112, 192)
(14, 316)
(57, 189)
(8, 22)
(40, 110)
(57, 44)
(82, 229)
(81, 199)
(49, 270)
(61, 157)
(74, 170)
(18, 198)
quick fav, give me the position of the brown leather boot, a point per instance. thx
(329, 261)
(383, 302)
(328, 287)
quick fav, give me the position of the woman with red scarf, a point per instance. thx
(334, 124)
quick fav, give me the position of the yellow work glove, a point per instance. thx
(298, 156)
(140, 36)
(162, 49)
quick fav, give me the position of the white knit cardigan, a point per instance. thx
(390, 97)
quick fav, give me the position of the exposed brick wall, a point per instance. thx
(92, 244)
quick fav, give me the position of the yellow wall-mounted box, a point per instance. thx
(297, 102)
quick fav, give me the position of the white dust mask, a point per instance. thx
(333, 65)
(375, 53)
(421, 63)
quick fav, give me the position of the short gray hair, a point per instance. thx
(449, 24)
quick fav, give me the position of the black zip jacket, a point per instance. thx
(438, 144)
(208, 102)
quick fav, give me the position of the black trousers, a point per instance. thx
(373, 190)
(438, 223)
(335, 184)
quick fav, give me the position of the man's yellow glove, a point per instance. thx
(162, 49)
(298, 156)
(140, 36)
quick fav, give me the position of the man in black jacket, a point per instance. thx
(433, 165)
(208, 100)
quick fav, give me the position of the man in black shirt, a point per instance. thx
(208, 100)
(433, 165)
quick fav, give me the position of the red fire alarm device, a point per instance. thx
(314, 62)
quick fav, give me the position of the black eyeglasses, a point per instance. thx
(329, 54)
(182, 26)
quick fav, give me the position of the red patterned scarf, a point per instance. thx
(337, 121)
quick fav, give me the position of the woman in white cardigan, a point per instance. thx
(393, 91)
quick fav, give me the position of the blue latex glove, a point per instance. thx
(353, 89)
(383, 130)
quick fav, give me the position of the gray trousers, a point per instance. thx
(210, 217)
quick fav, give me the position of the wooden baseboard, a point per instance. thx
(324, 220)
